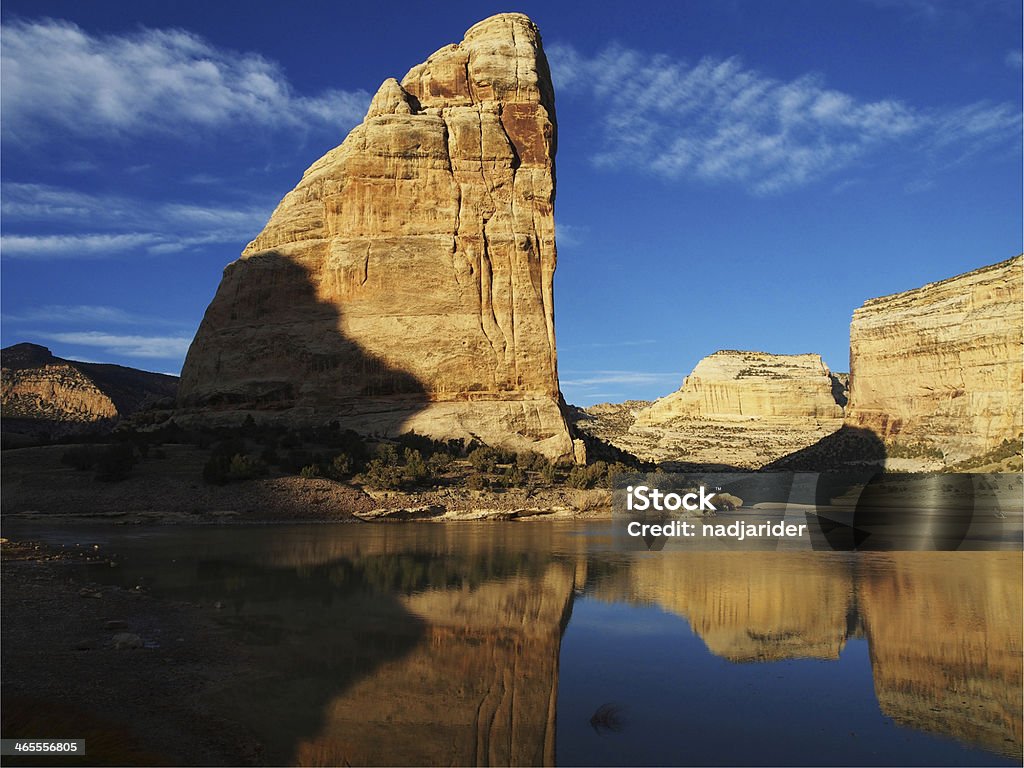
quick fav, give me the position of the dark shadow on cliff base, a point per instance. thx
(303, 361)
(849, 447)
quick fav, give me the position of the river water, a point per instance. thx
(542, 643)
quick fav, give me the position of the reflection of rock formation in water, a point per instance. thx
(479, 689)
(754, 606)
(944, 629)
(945, 635)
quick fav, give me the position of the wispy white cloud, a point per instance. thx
(720, 121)
(570, 235)
(163, 347)
(54, 74)
(131, 226)
(83, 313)
(595, 378)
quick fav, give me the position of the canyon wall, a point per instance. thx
(937, 370)
(406, 282)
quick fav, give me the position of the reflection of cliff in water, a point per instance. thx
(945, 634)
(480, 689)
(396, 650)
(944, 629)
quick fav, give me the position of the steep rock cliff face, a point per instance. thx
(40, 391)
(937, 370)
(740, 409)
(406, 282)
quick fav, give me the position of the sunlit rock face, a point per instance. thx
(406, 282)
(732, 384)
(945, 637)
(740, 409)
(937, 370)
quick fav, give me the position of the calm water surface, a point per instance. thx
(539, 643)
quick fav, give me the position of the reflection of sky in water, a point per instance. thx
(683, 705)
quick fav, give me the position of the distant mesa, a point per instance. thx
(751, 385)
(406, 283)
(45, 396)
(735, 410)
(936, 371)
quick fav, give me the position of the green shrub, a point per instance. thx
(516, 477)
(588, 476)
(477, 481)
(215, 471)
(310, 471)
(439, 463)
(483, 459)
(382, 475)
(295, 461)
(388, 454)
(243, 467)
(531, 460)
(547, 474)
(341, 466)
(415, 469)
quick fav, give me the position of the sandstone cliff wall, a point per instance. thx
(938, 369)
(406, 282)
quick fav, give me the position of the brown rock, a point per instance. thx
(406, 282)
(936, 371)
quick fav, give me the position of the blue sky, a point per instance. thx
(736, 174)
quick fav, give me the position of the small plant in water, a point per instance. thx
(608, 719)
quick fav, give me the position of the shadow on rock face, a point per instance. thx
(848, 447)
(268, 341)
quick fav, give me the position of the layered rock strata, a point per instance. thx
(736, 409)
(936, 371)
(406, 282)
(750, 385)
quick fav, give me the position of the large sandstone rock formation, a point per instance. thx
(738, 409)
(937, 370)
(741, 385)
(406, 282)
(43, 394)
